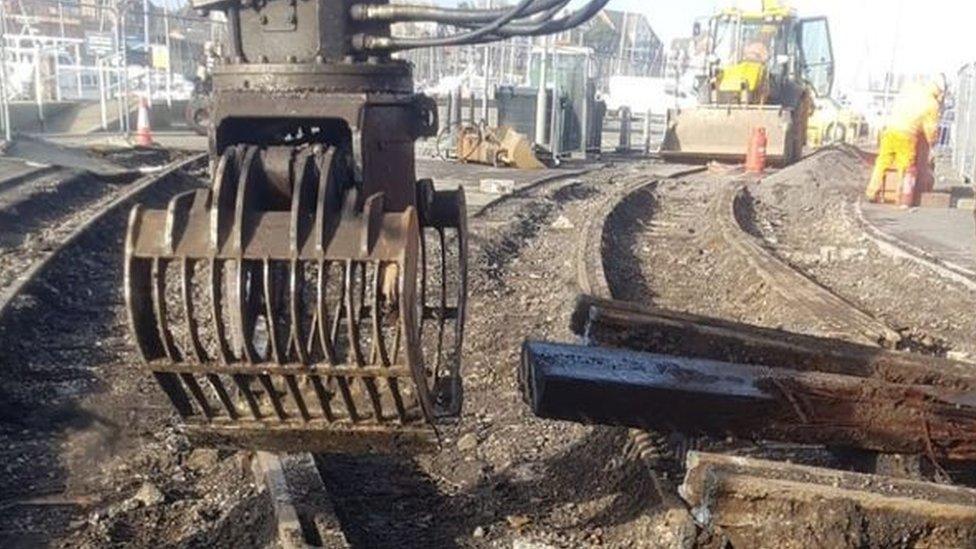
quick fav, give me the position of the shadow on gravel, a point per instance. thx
(56, 199)
(61, 344)
(388, 501)
(622, 261)
(49, 343)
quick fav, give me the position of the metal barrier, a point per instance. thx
(963, 136)
(70, 50)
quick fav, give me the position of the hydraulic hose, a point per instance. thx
(501, 28)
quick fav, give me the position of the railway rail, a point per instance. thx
(306, 509)
(61, 335)
(46, 187)
(47, 300)
(92, 209)
(727, 211)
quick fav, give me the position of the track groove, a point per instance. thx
(842, 317)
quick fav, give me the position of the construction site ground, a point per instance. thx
(947, 233)
(92, 454)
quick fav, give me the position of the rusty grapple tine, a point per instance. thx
(284, 328)
(444, 212)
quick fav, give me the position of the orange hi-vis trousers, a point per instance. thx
(897, 152)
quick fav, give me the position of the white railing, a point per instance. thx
(963, 137)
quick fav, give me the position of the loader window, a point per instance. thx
(817, 55)
(725, 41)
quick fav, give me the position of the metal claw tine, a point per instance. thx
(379, 344)
(159, 300)
(323, 397)
(352, 326)
(279, 349)
(442, 318)
(326, 336)
(350, 312)
(295, 312)
(270, 313)
(342, 381)
(199, 353)
(296, 394)
(243, 385)
(272, 392)
(225, 354)
(223, 396)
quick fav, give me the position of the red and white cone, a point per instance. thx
(143, 131)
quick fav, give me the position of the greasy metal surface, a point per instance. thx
(723, 131)
(393, 76)
(689, 395)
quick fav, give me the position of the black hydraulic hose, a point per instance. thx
(498, 31)
(401, 13)
(527, 21)
(561, 24)
(369, 42)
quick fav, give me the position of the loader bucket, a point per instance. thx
(721, 132)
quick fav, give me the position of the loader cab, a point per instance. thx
(816, 55)
(766, 55)
(750, 56)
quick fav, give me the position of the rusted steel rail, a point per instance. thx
(691, 395)
(841, 317)
(590, 274)
(743, 501)
(619, 324)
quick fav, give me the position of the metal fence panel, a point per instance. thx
(964, 124)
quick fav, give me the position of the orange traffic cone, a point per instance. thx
(756, 153)
(143, 131)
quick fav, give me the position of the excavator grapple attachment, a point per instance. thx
(290, 315)
(313, 298)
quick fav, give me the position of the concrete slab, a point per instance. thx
(948, 234)
(45, 152)
(15, 170)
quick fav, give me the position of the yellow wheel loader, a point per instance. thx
(762, 69)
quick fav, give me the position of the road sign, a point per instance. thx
(99, 43)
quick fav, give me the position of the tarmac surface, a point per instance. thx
(947, 233)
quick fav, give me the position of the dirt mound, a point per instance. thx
(803, 186)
